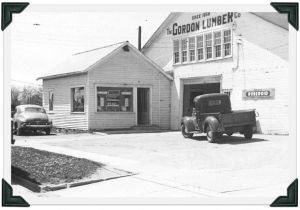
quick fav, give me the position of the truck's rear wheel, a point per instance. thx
(248, 133)
(211, 135)
(184, 133)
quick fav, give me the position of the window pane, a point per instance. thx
(218, 51)
(192, 43)
(200, 54)
(114, 99)
(176, 51)
(184, 44)
(208, 52)
(199, 41)
(176, 45)
(217, 36)
(208, 39)
(227, 36)
(77, 99)
(192, 55)
(227, 49)
(184, 56)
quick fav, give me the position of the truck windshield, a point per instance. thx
(35, 109)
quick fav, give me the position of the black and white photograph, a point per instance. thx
(149, 104)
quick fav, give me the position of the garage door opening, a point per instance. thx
(191, 91)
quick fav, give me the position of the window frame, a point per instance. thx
(179, 55)
(186, 50)
(223, 43)
(198, 48)
(204, 47)
(113, 86)
(192, 49)
(71, 98)
(212, 46)
(215, 45)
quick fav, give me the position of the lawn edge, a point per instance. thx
(46, 188)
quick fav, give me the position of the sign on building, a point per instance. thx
(256, 94)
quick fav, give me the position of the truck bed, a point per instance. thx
(239, 118)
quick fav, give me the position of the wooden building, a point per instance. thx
(110, 87)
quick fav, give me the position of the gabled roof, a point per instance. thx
(82, 62)
(279, 20)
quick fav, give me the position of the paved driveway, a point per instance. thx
(232, 167)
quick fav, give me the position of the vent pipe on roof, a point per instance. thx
(140, 38)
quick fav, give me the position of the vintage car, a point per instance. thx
(31, 117)
(212, 115)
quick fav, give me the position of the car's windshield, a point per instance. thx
(35, 109)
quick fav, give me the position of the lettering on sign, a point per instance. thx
(204, 24)
(259, 94)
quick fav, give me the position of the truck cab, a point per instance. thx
(212, 114)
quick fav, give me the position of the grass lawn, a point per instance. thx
(42, 167)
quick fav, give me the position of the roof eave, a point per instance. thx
(61, 75)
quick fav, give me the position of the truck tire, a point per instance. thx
(185, 134)
(48, 131)
(248, 133)
(211, 136)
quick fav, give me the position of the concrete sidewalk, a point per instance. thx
(136, 185)
(167, 165)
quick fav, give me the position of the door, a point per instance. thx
(191, 91)
(143, 106)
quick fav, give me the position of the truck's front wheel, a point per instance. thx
(211, 135)
(184, 133)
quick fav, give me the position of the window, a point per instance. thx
(208, 44)
(192, 48)
(183, 50)
(227, 42)
(77, 95)
(51, 97)
(214, 102)
(200, 54)
(203, 47)
(176, 51)
(114, 99)
(217, 43)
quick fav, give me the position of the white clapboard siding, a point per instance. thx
(127, 69)
(61, 116)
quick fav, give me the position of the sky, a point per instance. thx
(42, 40)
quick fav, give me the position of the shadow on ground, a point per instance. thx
(37, 133)
(230, 140)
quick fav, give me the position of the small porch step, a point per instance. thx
(145, 127)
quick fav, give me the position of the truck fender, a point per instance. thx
(213, 122)
(189, 123)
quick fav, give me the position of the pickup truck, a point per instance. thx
(212, 115)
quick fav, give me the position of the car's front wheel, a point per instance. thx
(184, 133)
(19, 131)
